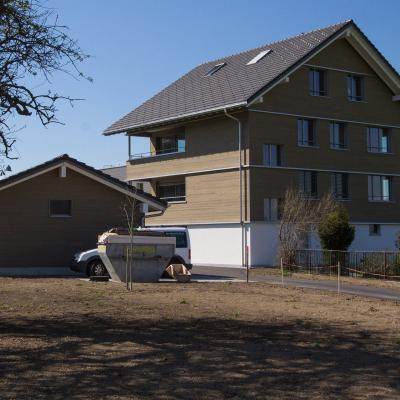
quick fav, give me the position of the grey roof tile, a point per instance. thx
(234, 83)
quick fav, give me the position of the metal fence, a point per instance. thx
(368, 264)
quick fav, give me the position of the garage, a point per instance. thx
(58, 208)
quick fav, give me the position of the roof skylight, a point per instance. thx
(214, 69)
(259, 56)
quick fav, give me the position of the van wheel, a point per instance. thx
(176, 260)
(97, 268)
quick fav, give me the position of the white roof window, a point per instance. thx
(214, 69)
(259, 56)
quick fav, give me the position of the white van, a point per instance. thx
(183, 249)
(89, 261)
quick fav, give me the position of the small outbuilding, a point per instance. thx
(58, 208)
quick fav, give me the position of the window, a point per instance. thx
(181, 240)
(374, 230)
(272, 209)
(214, 69)
(308, 184)
(172, 191)
(338, 136)
(272, 155)
(378, 140)
(355, 88)
(306, 132)
(340, 186)
(317, 82)
(259, 56)
(379, 188)
(170, 144)
(60, 208)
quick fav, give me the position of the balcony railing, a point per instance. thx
(157, 153)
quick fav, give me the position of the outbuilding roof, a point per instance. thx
(235, 81)
(94, 173)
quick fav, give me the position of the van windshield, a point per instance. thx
(181, 240)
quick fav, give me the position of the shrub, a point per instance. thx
(334, 230)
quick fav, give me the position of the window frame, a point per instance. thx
(381, 198)
(60, 215)
(267, 150)
(274, 210)
(371, 229)
(312, 128)
(176, 147)
(382, 132)
(178, 199)
(313, 194)
(345, 194)
(176, 234)
(332, 134)
(352, 85)
(322, 78)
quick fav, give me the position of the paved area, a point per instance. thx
(239, 273)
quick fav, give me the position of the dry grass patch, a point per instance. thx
(381, 283)
(70, 339)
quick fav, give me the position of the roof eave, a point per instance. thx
(178, 118)
(374, 58)
(86, 170)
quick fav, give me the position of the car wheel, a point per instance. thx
(97, 268)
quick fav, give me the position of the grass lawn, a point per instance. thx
(70, 339)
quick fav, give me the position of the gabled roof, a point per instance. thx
(236, 84)
(85, 169)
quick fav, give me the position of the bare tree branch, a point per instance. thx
(300, 216)
(33, 45)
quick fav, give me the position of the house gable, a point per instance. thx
(64, 163)
(339, 60)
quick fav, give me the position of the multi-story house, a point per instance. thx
(320, 111)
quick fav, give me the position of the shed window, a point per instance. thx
(60, 208)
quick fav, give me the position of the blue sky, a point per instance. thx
(139, 47)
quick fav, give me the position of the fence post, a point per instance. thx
(338, 277)
(282, 270)
(126, 268)
(385, 265)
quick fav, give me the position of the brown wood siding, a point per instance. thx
(210, 198)
(277, 129)
(294, 97)
(30, 238)
(272, 183)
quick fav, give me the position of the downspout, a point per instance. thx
(239, 122)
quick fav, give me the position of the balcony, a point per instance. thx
(162, 146)
(157, 153)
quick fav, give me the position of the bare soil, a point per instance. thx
(72, 339)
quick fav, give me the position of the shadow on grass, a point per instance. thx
(192, 359)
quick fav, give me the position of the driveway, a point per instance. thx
(222, 273)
